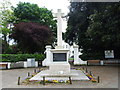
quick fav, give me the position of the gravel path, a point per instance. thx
(108, 78)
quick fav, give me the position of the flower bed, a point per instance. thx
(55, 81)
(91, 78)
(27, 81)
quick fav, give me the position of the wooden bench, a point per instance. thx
(93, 62)
(3, 65)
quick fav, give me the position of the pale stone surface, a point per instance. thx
(108, 78)
(49, 55)
(57, 59)
(101, 63)
(47, 60)
(77, 60)
(75, 75)
(36, 64)
(25, 64)
(59, 48)
(59, 29)
(31, 62)
(19, 64)
(59, 67)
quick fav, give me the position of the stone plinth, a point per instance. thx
(59, 68)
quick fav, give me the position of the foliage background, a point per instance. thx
(94, 26)
(26, 13)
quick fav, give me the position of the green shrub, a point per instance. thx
(92, 56)
(20, 57)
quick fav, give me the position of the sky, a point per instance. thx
(50, 5)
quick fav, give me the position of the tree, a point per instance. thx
(26, 12)
(3, 46)
(104, 30)
(6, 17)
(34, 27)
(87, 33)
(78, 21)
(31, 37)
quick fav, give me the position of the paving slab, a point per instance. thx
(108, 78)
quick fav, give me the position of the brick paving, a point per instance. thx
(108, 78)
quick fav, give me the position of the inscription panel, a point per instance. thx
(57, 57)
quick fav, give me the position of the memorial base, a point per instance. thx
(74, 74)
(59, 68)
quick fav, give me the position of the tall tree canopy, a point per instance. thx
(6, 17)
(104, 30)
(31, 37)
(94, 27)
(26, 12)
(34, 27)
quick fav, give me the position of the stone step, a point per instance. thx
(75, 75)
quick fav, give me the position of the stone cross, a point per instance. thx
(59, 28)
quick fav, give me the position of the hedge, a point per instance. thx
(20, 57)
(92, 56)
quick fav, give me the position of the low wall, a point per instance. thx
(21, 64)
(17, 65)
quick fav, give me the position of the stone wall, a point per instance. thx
(21, 64)
(17, 65)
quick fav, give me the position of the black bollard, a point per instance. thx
(28, 74)
(70, 80)
(98, 79)
(86, 70)
(43, 80)
(18, 81)
(90, 73)
(83, 68)
(34, 70)
(39, 70)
